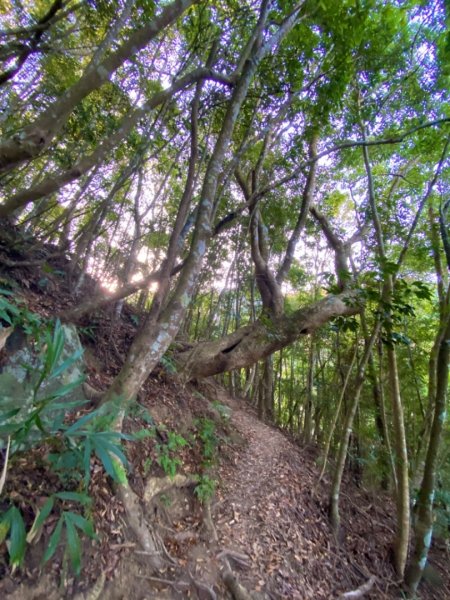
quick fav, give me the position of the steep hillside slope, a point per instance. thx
(234, 502)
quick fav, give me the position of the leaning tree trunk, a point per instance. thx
(437, 393)
(33, 139)
(254, 342)
(337, 412)
(163, 324)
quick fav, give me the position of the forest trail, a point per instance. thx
(270, 511)
(268, 507)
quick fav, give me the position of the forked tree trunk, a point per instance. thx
(163, 324)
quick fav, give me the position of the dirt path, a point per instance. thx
(273, 509)
(269, 510)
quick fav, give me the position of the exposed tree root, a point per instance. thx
(208, 522)
(95, 592)
(157, 485)
(146, 536)
(91, 393)
(203, 588)
(359, 592)
(241, 560)
(153, 546)
(179, 586)
(237, 590)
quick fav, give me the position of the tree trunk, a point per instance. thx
(308, 420)
(163, 324)
(348, 426)
(401, 466)
(255, 342)
(266, 391)
(337, 411)
(424, 517)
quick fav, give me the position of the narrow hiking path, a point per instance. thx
(271, 510)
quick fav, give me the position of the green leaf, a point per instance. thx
(66, 364)
(114, 449)
(5, 316)
(17, 538)
(74, 497)
(79, 424)
(68, 405)
(83, 525)
(53, 542)
(105, 459)
(40, 518)
(87, 461)
(5, 525)
(389, 267)
(10, 413)
(6, 292)
(65, 389)
(73, 543)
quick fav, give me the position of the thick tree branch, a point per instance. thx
(155, 337)
(267, 284)
(56, 181)
(38, 135)
(74, 314)
(341, 248)
(307, 200)
(251, 343)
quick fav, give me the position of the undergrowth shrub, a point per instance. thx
(206, 481)
(167, 453)
(50, 419)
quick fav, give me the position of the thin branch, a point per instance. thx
(422, 204)
(350, 144)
